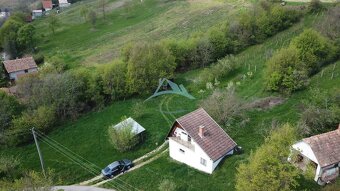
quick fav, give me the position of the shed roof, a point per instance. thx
(216, 143)
(63, 1)
(20, 64)
(136, 127)
(326, 147)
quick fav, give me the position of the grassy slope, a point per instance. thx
(152, 20)
(248, 137)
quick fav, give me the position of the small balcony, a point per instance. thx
(187, 144)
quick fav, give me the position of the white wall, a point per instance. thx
(305, 150)
(190, 157)
(13, 75)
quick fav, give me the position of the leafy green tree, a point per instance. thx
(10, 108)
(313, 49)
(3, 74)
(26, 37)
(53, 22)
(147, 63)
(267, 168)
(113, 79)
(8, 166)
(92, 16)
(285, 71)
(221, 43)
(84, 12)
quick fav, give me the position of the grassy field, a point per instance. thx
(128, 21)
(78, 44)
(250, 136)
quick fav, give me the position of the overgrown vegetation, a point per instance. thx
(267, 168)
(123, 138)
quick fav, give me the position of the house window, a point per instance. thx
(181, 151)
(189, 138)
(203, 162)
(26, 71)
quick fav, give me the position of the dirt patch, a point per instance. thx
(266, 103)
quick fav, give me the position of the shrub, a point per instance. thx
(181, 50)
(8, 165)
(267, 167)
(224, 106)
(147, 63)
(217, 71)
(39, 58)
(113, 79)
(330, 25)
(167, 185)
(285, 72)
(123, 138)
(315, 6)
(313, 49)
(138, 109)
(202, 54)
(221, 43)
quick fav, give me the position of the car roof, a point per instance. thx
(114, 164)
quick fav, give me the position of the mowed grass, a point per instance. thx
(249, 136)
(78, 43)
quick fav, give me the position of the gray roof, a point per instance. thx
(136, 127)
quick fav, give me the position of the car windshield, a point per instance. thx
(107, 169)
(121, 162)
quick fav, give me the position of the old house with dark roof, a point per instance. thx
(20, 67)
(322, 153)
(198, 141)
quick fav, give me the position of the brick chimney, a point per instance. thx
(201, 131)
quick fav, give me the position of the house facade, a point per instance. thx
(322, 153)
(20, 67)
(198, 141)
(36, 14)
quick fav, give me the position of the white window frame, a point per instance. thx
(203, 162)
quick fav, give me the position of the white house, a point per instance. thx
(36, 14)
(64, 3)
(136, 127)
(322, 152)
(19, 67)
(198, 141)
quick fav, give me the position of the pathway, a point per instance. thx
(79, 188)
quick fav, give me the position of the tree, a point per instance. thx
(313, 49)
(315, 6)
(147, 63)
(286, 73)
(3, 75)
(113, 79)
(223, 105)
(267, 168)
(123, 138)
(26, 37)
(10, 108)
(92, 16)
(84, 12)
(102, 4)
(53, 22)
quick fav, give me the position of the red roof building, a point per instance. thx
(20, 66)
(47, 4)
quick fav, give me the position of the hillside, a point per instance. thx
(128, 21)
(78, 149)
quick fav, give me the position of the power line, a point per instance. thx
(64, 151)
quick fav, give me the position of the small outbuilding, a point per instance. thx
(36, 14)
(136, 127)
(198, 141)
(322, 152)
(64, 3)
(20, 67)
(47, 4)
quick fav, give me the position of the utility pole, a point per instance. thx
(38, 148)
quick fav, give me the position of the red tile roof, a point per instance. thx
(20, 64)
(216, 143)
(47, 4)
(326, 147)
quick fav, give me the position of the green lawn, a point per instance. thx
(250, 136)
(79, 44)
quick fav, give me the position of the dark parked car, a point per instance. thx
(117, 167)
